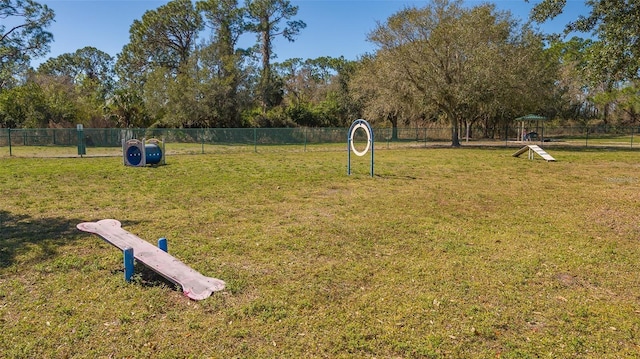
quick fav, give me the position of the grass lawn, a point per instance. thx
(445, 253)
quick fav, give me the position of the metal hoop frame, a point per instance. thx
(359, 123)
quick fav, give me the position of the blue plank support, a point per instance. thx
(162, 244)
(129, 258)
(128, 263)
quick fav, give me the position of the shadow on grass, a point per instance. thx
(146, 277)
(394, 176)
(19, 232)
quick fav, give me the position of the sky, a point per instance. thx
(334, 27)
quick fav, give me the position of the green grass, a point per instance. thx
(624, 141)
(444, 253)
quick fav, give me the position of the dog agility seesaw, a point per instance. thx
(194, 285)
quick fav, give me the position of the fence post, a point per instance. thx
(9, 134)
(425, 137)
(586, 140)
(506, 134)
(632, 128)
(255, 140)
(81, 144)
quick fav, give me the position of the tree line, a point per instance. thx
(467, 67)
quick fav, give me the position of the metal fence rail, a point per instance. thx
(63, 142)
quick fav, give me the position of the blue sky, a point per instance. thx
(334, 27)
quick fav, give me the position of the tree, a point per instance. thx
(22, 106)
(623, 102)
(436, 58)
(42, 102)
(385, 98)
(165, 37)
(66, 103)
(614, 58)
(574, 85)
(87, 62)
(615, 24)
(226, 20)
(87, 68)
(316, 90)
(629, 103)
(346, 107)
(88, 78)
(220, 62)
(303, 83)
(264, 19)
(22, 36)
(159, 51)
(127, 109)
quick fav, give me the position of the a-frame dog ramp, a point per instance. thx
(194, 285)
(535, 149)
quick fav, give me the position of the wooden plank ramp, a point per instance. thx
(194, 285)
(536, 149)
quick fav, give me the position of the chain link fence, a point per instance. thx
(72, 142)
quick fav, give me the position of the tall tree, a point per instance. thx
(23, 106)
(159, 51)
(220, 60)
(126, 109)
(22, 36)
(226, 20)
(574, 89)
(44, 101)
(90, 78)
(165, 37)
(629, 103)
(614, 59)
(615, 24)
(386, 98)
(450, 65)
(67, 103)
(316, 90)
(264, 18)
(88, 67)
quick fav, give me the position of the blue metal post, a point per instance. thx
(372, 142)
(128, 264)
(162, 244)
(371, 130)
(349, 153)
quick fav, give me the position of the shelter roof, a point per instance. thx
(531, 117)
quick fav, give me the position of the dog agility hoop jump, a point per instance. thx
(359, 124)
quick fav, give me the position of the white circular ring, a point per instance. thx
(353, 132)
